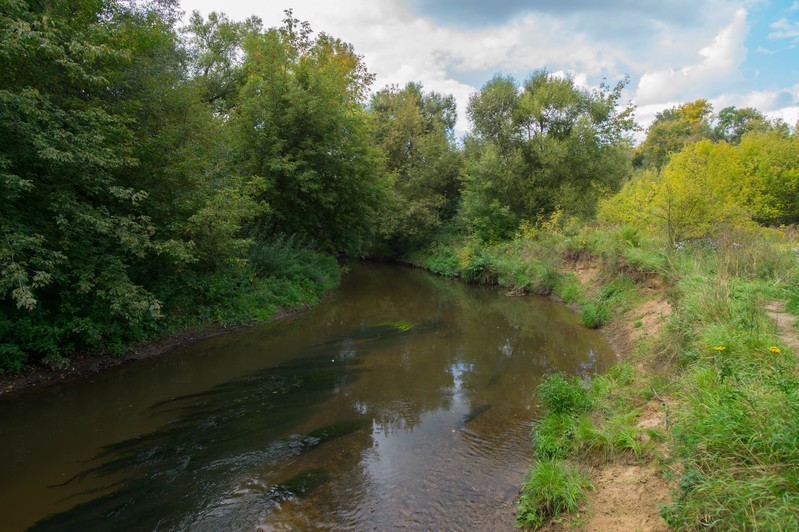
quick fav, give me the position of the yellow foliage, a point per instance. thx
(702, 188)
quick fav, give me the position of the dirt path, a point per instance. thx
(628, 493)
(785, 323)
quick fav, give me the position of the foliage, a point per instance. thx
(414, 132)
(300, 124)
(535, 148)
(129, 206)
(673, 130)
(698, 192)
(732, 124)
(444, 262)
(771, 163)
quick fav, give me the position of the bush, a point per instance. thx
(444, 261)
(480, 269)
(12, 359)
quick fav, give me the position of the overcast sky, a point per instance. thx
(742, 53)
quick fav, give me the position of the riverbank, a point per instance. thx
(695, 423)
(82, 367)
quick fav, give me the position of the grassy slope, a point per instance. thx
(730, 448)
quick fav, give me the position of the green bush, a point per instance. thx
(443, 262)
(481, 269)
(12, 359)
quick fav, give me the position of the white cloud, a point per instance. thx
(719, 65)
(781, 103)
(670, 62)
(785, 30)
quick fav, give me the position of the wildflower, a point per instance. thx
(719, 348)
(774, 349)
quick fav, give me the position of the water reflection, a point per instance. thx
(403, 400)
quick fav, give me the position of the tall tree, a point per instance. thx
(545, 145)
(72, 229)
(215, 46)
(674, 129)
(302, 126)
(414, 131)
(732, 124)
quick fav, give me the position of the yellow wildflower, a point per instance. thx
(774, 349)
(719, 348)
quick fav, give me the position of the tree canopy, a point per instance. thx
(545, 145)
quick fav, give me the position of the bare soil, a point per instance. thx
(785, 323)
(628, 493)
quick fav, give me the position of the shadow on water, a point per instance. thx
(173, 475)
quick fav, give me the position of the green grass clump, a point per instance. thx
(553, 435)
(562, 395)
(554, 487)
(595, 314)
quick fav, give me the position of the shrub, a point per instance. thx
(444, 261)
(480, 269)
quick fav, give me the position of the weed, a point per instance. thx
(563, 395)
(596, 314)
(554, 487)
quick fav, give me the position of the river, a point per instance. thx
(405, 400)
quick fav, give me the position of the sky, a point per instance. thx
(732, 53)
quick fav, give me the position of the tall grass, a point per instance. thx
(736, 432)
(584, 417)
(554, 487)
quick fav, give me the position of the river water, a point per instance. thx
(404, 401)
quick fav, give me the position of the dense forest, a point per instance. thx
(158, 175)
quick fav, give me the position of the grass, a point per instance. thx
(585, 419)
(554, 487)
(732, 437)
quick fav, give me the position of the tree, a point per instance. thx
(732, 124)
(771, 162)
(674, 129)
(539, 147)
(216, 51)
(72, 229)
(414, 132)
(701, 189)
(302, 126)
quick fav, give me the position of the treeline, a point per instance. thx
(156, 176)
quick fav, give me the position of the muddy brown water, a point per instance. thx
(404, 401)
